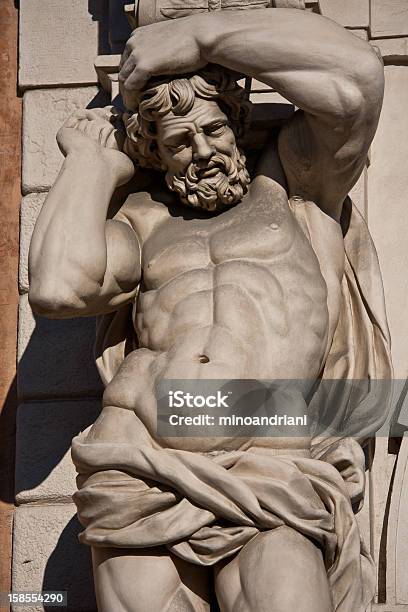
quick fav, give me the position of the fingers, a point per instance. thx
(97, 124)
(106, 137)
(74, 119)
(128, 66)
(88, 128)
(130, 98)
(133, 75)
(107, 114)
(103, 134)
(128, 50)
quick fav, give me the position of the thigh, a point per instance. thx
(277, 571)
(149, 580)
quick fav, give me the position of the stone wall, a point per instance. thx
(58, 386)
(10, 163)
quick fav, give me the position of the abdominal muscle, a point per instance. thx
(203, 324)
(233, 298)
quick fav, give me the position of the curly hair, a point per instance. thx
(178, 95)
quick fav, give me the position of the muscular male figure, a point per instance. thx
(231, 278)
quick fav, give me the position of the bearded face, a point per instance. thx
(213, 185)
(203, 163)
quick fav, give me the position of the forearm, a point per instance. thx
(68, 248)
(312, 61)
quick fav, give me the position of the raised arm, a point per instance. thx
(335, 78)
(79, 263)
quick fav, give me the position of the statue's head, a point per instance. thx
(190, 128)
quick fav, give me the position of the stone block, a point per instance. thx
(389, 18)
(48, 557)
(44, 469)
(29, 211)
(59, 41)
(267, 95)
(349, 13)
(393, 50)
(44, 111)
(387, 208)
(55, 357)
(360, 33)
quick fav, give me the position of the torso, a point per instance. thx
(244, 289)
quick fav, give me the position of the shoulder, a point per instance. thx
(144, 211)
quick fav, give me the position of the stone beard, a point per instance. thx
(211, 185)
(188, 128)
(219, 183)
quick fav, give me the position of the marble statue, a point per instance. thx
(213, 268)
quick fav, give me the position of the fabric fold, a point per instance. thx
(206, 512)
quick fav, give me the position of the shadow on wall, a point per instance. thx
(99, 9)
(69, 568)
(113, 26)
(59, 394)
(58, 384)
(59, 390)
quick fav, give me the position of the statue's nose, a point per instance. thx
(201, 148)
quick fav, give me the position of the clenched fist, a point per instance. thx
(164, 48)
(97, 132)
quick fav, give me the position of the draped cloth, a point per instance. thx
(205, 508)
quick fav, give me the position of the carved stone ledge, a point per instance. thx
(144, 12)
(394, 51)
(349, 13)
(107, 68)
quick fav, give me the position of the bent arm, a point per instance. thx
(315, 63)
(335, 78)
(79, 263)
